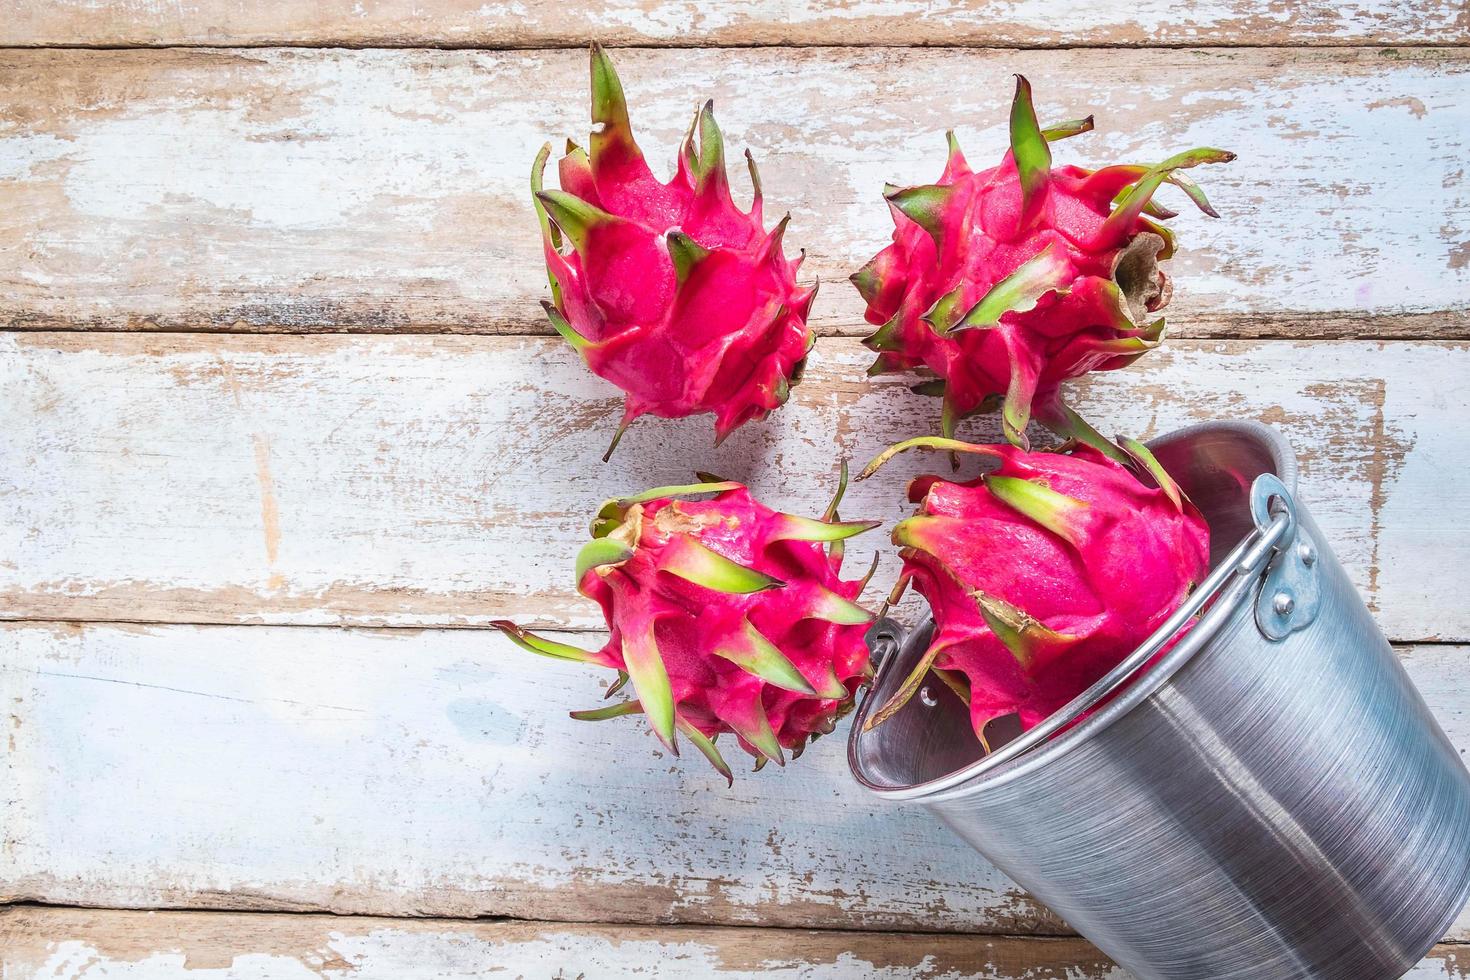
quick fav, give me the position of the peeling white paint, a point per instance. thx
(394, 954)
(309, 947)
(832, 22)
(296, 188)
(444, 480)
(370, 772)
(437, 773)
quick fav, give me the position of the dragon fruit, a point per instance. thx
(726, 615)
(1006, 282)
(668, 290)
(1044, 573)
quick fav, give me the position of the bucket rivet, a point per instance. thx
(1283, 603)
(927, 696)
(1308, 554)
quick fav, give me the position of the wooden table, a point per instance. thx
(281, 425)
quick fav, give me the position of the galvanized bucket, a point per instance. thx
(1272, 798)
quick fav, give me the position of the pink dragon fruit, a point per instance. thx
(1045, 573)
(1008, 281)
(669, 291)
(726, 615)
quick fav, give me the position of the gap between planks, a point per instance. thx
(1451, 324)
(221, 912)
(203, 912)
(11, 908)
(574, 44)
(392, 629)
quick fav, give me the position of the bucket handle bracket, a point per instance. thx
(1289, 593)
(885, 637)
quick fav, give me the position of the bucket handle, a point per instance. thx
(1276, 558)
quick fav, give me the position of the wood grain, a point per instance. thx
(425, 481)
(443, 480)
(70, 944)
(541, 23)
(436, 772)
(384, 191)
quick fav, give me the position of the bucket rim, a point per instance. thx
(1127, 691)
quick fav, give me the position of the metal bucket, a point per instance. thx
(1271, 798)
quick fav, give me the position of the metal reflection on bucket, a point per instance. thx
(1270, 798)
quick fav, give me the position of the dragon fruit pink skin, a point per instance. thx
(1006, 282)
(727, 617)
(1045, 573)
(669, 291)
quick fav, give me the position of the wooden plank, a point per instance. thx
(69, 944)
(435, 772)
(300, 190)
(542, 23)
(424, 481)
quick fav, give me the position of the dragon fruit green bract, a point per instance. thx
(726, 615)
(1043, 574)
(1006, 282)
(668, 290)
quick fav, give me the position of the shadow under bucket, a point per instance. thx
(1270, 799)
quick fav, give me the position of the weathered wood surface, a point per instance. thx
(73, 944)
(435, 772)
(543, 23)
(297, 190)
(427, 773)
(444, 480)
(411, 481)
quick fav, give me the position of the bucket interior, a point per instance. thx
(930, 737)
